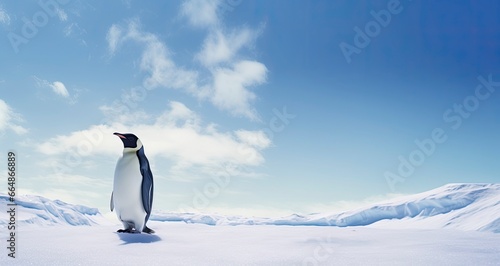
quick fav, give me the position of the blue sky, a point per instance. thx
(251, 107)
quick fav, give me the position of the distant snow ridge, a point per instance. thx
(461, 206)
(458, 206)
(42, 211)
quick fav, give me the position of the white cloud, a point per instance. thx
(201, 13)
(226, 87)
(254, 138)
(84, 142)
(113, 37)
(9, 119)
(57, 87)
(179, 115)
(178, 135)
(231, 77)
(155, 60)
(220, 48)
(117, 112)
(4, 17)
(231, 87)
(163, 71)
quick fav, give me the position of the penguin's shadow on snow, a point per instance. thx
(137, 238)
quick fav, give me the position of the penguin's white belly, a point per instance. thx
(127, 195)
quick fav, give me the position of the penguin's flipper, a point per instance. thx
(147, 183)
(147, 190)
(111, 203)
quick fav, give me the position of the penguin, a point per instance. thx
(132, 195)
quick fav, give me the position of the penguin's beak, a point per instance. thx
(119, 135)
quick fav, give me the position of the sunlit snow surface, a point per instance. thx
(457, 224)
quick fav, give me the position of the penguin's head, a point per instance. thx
(130, 141)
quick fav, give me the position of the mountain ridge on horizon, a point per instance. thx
(463, 206)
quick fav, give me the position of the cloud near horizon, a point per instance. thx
(178, 135)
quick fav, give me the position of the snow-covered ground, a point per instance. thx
(199, 244)
(457, 224)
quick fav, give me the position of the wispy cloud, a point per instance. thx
(57, 87)
(230, 87)
(220, 48)
(155, 60)
(4, 16)
(162, 70)
(201, 13)
(232, 77)
(224, 79)
(61, 14)
(113, 37)
(74, 30)
(9, 119)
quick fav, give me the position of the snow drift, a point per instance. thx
(458, 206)
(42, 211)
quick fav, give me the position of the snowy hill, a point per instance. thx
(458, 206)
(42, 211)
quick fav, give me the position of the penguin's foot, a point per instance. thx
(130, 231)
(148, 230)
